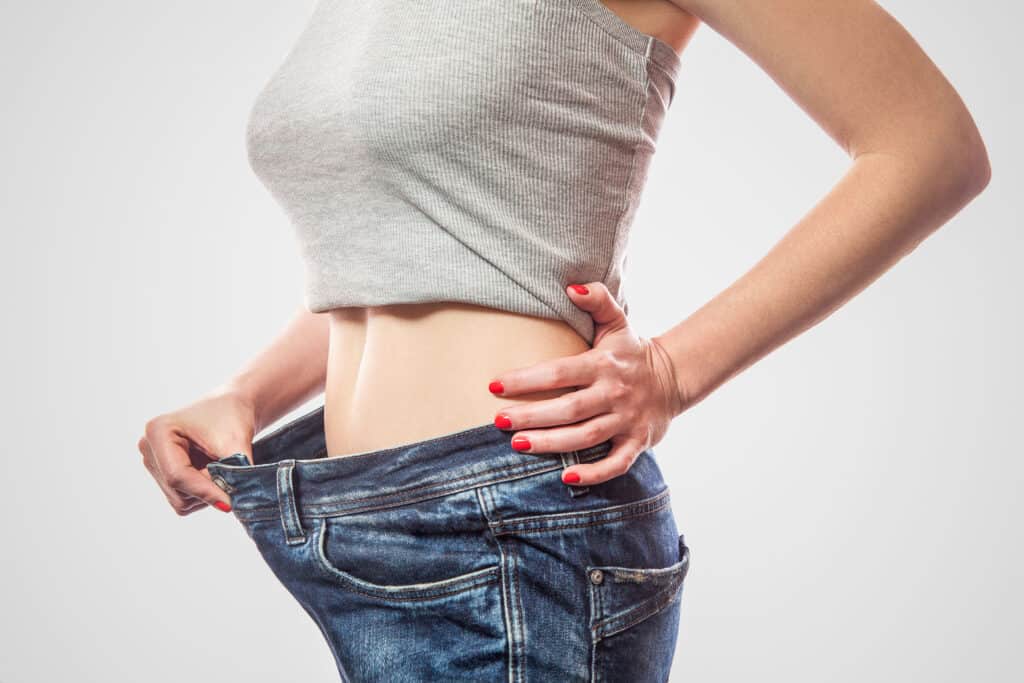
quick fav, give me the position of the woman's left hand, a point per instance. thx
(627, 393)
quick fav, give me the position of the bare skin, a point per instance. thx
(397, 374)
(402, 373)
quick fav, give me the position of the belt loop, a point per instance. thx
(568, 460)
(286, 502)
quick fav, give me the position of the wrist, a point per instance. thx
(683, 368)
(240, 391)
(675, 393)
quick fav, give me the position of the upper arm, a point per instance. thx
(856, 71)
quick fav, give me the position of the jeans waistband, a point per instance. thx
(293, 474)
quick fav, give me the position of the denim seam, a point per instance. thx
(316, 510)
(526, 468)
(633, 615)
(522, 617)
(290, 521)
(585, 454)
(486, 503)
(521, 639)
(596, 609)
(614, 624)
(621, 518)
(613, 513)
(510, 616)
(483, 577)
(490, 577)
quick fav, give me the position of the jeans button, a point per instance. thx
(596, 576)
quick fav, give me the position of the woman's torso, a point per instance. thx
(407, 372)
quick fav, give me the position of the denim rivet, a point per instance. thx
(596, 576)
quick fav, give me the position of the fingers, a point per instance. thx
(174, 499)
(189, 484)
(572, 406)
(576, 370)
(596, 430)
(568, 437)
(594, 298)
(194, 504)
(618, 461)
(556, 373)
(180, 481)
(588, 416)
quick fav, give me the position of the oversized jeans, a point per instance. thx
(458, 558)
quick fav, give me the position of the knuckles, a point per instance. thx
(591, 432)
(618, 390)
(174, 479)
(574, 406)
(604, 360)
(559, 374)
(155, 426)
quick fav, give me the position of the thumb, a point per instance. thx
(595, 298)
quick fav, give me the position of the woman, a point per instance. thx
(461, 178)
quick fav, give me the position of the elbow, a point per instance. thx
(966, 164)
(979, 171)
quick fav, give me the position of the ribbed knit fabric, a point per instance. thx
(480, 151)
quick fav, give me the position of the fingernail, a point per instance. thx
(580, 289)
(570, 477)
(496, 387)
(520, 443)
(222, 506)
(502, 421)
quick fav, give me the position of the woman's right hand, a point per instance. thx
(177, 446)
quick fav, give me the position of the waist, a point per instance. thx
(404, 373)
(292, 458)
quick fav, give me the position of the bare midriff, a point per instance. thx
(404, 373)
(408, 372)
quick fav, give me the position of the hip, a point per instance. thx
(469, 553)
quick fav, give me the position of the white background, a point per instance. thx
(852, 502)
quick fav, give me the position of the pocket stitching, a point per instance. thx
(646, 608)
(638, 613)
(418, 591)
(558, 521)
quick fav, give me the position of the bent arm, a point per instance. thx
(292, 369)
(918, 158)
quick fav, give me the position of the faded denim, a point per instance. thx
(459, 558)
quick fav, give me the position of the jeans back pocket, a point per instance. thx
(634, 620)
(622, 597)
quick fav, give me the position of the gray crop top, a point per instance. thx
(475, 151)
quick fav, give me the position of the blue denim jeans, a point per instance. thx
(459, 558)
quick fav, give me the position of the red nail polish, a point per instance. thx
(520, 443)
(570, 477)
(580, 289)
(222, 506)
(496, 387)
(502, 422)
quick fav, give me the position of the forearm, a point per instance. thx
(878, 212)
(292, 369)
